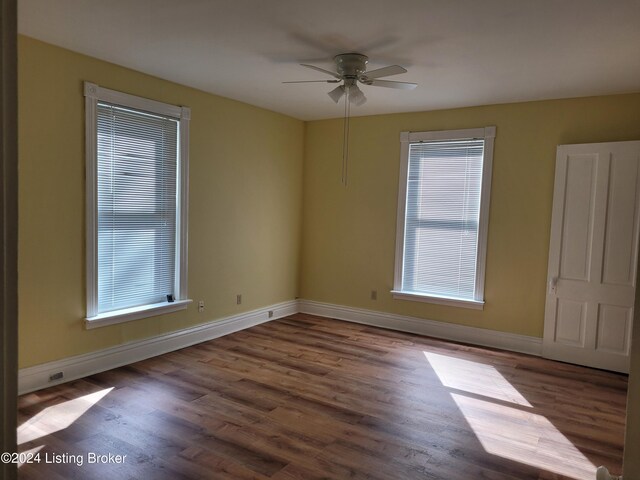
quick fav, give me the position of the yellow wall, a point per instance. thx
(349, 233)
(245, 204)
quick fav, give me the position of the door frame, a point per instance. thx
(9, 237)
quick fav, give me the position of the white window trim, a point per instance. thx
(93, 94)
(406, 138)
(135, 313)
(450, 301)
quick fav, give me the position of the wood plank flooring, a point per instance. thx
(309, 398)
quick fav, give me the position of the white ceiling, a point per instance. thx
(460, 52)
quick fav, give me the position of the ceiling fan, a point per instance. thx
(351, 68)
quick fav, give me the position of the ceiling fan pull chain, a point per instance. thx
(345, 141)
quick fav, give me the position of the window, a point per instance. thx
(443, 211)
(137, 167)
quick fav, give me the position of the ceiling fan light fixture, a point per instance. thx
(356, 96)
(337, 93)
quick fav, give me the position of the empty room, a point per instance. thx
(303, 240)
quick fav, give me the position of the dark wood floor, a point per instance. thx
(311, 398)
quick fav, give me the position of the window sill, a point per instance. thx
(452, 302)
(135, 313)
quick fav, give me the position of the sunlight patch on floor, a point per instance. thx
(515, 433)
(58, 417)
(524, 437)
(474, 377)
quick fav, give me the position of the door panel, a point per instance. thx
(570, 327)
(592, 254)
(613, 329)
(576, 238)
(619, 259)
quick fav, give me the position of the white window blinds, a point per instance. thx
(137, 165)
(444, 181)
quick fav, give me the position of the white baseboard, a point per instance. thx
(37, 377)
(431, 328)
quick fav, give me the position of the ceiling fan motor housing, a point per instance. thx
(351, 65)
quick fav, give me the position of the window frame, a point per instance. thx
(406, 139)
(93, 95)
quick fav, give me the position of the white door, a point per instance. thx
(593, 255)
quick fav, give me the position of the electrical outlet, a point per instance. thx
(374, 294)
(201, 306)
(270, 313)
(238, 299)
(55, 376)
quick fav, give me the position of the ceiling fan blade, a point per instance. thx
(333, 74)
(384, 71)
(337, 93)
(313, 81)
(391, 84)
(356, 96)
